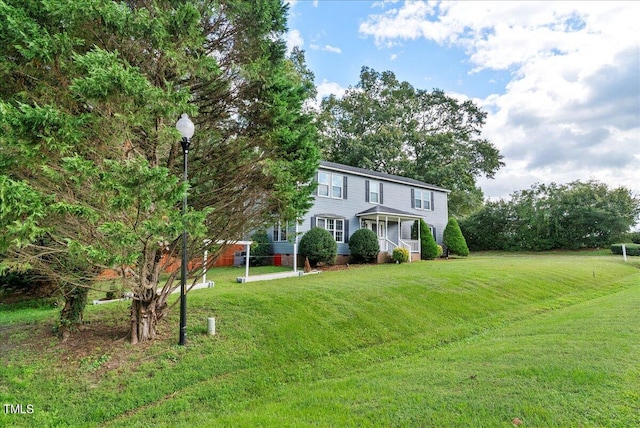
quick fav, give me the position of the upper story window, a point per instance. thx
(324, 179)
(331, 185)
(373, 192)
(422, 199)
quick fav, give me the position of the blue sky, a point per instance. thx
(336, 50)
(560, 80)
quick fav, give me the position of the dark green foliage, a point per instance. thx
(631, 249)
(633, 237)
(400, 255)
(428, 245)
(491, 228)
(390, 126)
(454, 240)
(545, 217)
(319, 246)
(259, 254)
(89, 154)
(16, 281)
(364, 246)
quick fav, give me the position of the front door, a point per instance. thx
(381, 231)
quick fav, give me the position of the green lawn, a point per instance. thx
(553, 340)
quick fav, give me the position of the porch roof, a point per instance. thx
(379, 210)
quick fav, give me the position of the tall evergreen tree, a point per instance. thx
(428, 245)
(453, 239)
(90, 161)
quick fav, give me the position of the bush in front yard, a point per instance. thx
(453, 238)
(319, 246)
(259, 254)
(631, 249)
(400, 255)
(428, 245)
(364, 246)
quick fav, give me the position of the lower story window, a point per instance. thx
(279, 232)
(335, 226)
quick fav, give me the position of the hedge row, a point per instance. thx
(632, 249)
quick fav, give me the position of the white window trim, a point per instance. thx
(330, 185)
(425, 203)
(327, 184)
(279, 231)
(333, 230)
(374, 185)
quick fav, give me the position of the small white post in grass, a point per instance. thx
(211, 326)
(624, 252)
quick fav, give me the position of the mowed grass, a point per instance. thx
(552, 340)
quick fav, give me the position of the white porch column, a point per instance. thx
(419, 241)
(383, 247)
(386, 227)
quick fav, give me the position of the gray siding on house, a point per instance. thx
(396, 193)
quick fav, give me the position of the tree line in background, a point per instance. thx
(554, 216)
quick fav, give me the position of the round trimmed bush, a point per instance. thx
(400, 255)
(453, 239)
(319, 246)
(364, 246)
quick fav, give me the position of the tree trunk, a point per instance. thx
(146, 310)
(72, 313)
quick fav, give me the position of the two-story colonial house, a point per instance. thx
(349, 198)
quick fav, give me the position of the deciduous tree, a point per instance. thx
(390, 126)
(552, 216)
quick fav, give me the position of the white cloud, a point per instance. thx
(382, 3)
(327, 88)
(326, 48)
(333, 49)
(571, 109)
(408, 22)
(294, 38)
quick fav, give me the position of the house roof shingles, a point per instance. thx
(379, 175)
